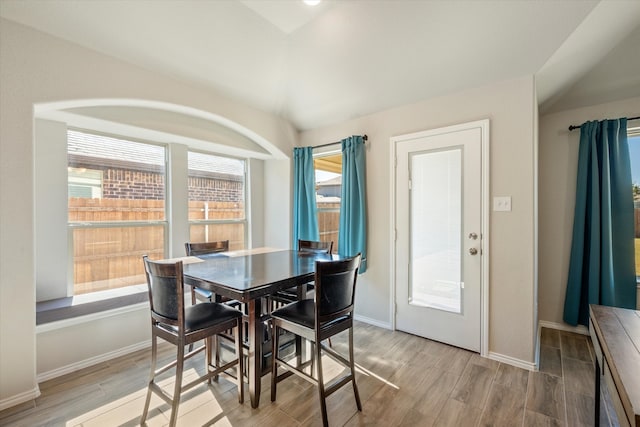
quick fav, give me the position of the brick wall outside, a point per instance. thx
(210, 189)
(129, 184)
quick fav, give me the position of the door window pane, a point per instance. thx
(436, 207)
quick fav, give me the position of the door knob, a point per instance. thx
(473, 236)
(473, 251)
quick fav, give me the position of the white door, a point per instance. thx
(438, 267)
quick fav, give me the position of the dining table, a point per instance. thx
(250, 277)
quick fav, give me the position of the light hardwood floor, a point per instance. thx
(403, 380)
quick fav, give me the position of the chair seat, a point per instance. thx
(207, 314)
(302, 313)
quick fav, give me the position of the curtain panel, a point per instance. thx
(305, 211)
(602, 263)
(352, 234)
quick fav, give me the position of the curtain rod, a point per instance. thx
(572, 127)
(365, 137)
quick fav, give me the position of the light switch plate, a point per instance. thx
(502, 204)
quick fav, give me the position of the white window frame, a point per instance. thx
(71, 226)
(55, 301)
(327, 153)
(245, 220)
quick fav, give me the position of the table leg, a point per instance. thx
(302, 291)
(255, 350)
(596, 399)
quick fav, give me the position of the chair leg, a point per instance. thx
(298, 345)
(353, 370)
(193, 302)
(178, 387)
(313, 346)
(274, 361)
(208, 344)
(216, 348)
(151, 377)
(321, 392)
(240, 356)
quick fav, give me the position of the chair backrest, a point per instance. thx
(165, 283)
(335, 283)
(195, 249)
(313, 246)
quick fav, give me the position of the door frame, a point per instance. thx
(483, 125)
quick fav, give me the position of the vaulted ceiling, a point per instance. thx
(321, 65)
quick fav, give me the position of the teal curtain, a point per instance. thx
(602, 264)
(305, 212)
(352, 234)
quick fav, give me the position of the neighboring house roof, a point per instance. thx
(127, 152)
(324, 199)
(333, 181)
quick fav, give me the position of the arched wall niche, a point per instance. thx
(161, 122)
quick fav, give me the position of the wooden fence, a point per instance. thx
(110, 257)
(328, 223)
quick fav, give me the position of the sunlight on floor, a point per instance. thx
(204, 405)
(118, 412)
(361, 369)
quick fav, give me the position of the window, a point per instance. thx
(634, 154)
(328, 192)
(116, 209)
(217, 199)
(85, 183)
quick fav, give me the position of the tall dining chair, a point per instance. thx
(315, 246)
(290, 295)
(330, 313)
(204, 248)
(180, 325)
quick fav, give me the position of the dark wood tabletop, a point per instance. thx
(252, 276)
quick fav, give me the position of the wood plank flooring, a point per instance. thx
(403, 380)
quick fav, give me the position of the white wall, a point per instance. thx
(510, 106)
(51, 217)
(37, 68)
(278, 178)
(61, 346)
(557, 186)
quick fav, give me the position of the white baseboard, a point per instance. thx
(19, 398)
(529, 366)
(374, 322)
(44, 376)
(580, 329)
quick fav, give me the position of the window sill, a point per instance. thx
(89, 304)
